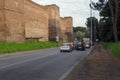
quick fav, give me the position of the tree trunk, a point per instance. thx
(114, 18)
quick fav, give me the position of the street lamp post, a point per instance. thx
(91, 23)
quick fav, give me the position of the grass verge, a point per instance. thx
(27, 46)
(113, 47)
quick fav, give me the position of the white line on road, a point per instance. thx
(25, 61)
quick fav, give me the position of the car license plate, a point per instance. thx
(64, 47)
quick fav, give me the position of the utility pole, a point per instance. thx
(91, 23)
(94, 27)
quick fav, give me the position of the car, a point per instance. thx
(66, 47)
(80, 46)
(72, 44)
(87, 45)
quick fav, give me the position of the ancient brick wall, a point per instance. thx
(2, 25)
(63, 29)
(12, 28)
(2, 20)
(36, 21)
(24, 19)
(66, 24)
(69, 28)
(2, 3)
(54, 21)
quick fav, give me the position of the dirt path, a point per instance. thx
(99, 65)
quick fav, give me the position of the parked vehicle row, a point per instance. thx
(70, 46)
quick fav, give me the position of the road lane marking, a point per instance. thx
(20, 54)
(21, 62)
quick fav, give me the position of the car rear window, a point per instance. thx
(65, 44)
(80, 43)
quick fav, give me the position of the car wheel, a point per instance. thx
(69, 50)
(84, 49)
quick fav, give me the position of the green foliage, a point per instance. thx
(79, 32)
(94, 21)
(94, 26)
(15, 47)
(98, 5)
(105, 30)
(79, 35)
(78, 28)
(105, 12)
(113, 47)
(105, 25)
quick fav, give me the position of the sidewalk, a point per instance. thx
(99, 65)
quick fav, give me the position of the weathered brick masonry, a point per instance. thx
(54, 22)
(36, 21)
(69, 28)
(22, 20)
(11, 20)
(66, 24)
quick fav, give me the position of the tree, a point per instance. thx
(79, 32)
(79, 35)
(105, 30)
(114, 15)
(105, 25)
(114, 10)
(94, 27)
(79, 28)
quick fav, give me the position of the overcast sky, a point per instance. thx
(78, 9)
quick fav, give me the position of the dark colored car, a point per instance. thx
(80, 46)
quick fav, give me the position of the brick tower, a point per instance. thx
(54, 22)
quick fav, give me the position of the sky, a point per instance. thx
(78, 9)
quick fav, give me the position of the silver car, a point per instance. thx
(66, 47)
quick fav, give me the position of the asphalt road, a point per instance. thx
(43, 65)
